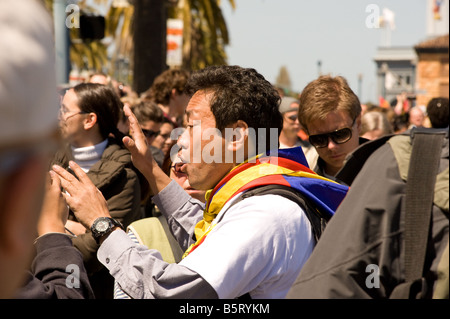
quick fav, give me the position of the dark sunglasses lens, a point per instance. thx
(338, 137)
(341, 136)
(320, 140)
(149, 133)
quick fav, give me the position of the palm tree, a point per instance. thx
(92, 54)
(205, 35)
(205, 32)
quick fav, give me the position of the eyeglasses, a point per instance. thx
(63, 112)
(150, 133)
(292, 117)
(177, 168)
(164, 136)
(339, 137)
(72, 115)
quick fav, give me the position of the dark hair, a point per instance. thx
(147, 111)
(239, 94)
(103, 101)
(437, 110)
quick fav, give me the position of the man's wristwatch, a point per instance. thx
(103, 226)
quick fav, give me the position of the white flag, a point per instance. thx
(388, 19)
(390, 80)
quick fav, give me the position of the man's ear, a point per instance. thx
(238, 139)
(90, 121)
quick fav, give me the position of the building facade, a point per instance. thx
(432, 79)
(396, 71)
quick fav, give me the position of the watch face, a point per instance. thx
(102, 225)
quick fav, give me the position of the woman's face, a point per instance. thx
(71, 118)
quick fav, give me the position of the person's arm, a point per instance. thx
(57, 270)
(141, 274)
(123, 200)
(181, 211)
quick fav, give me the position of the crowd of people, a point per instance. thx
(132, 196)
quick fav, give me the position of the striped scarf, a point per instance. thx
(289, 168)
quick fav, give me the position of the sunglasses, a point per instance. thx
(292, 117)
(150, 133)
(338, 137)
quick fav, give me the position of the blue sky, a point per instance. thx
(268, 34)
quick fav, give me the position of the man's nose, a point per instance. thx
(331, 144)
(183, 140)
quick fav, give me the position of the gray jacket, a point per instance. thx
(364, 238)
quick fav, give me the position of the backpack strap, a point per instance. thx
(317, 219)
(423, 168)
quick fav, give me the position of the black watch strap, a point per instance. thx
(103, 226)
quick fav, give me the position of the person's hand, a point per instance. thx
(83, 198)
(75, 228)
(399, 108)
(141, 154)
(54, 210)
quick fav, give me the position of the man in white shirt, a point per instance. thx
(254, 246)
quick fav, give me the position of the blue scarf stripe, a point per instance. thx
(325, 195)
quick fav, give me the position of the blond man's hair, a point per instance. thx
(324, 95)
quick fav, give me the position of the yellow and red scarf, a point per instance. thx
(269, 170)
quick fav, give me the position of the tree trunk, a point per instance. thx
(149, 42)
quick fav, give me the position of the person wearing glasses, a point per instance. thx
(330, 112)
(237, 246)
(164, 139)
(291, 127)
(89, 114)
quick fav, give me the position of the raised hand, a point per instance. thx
(83, 198)
(54, 210)
(141, 154)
